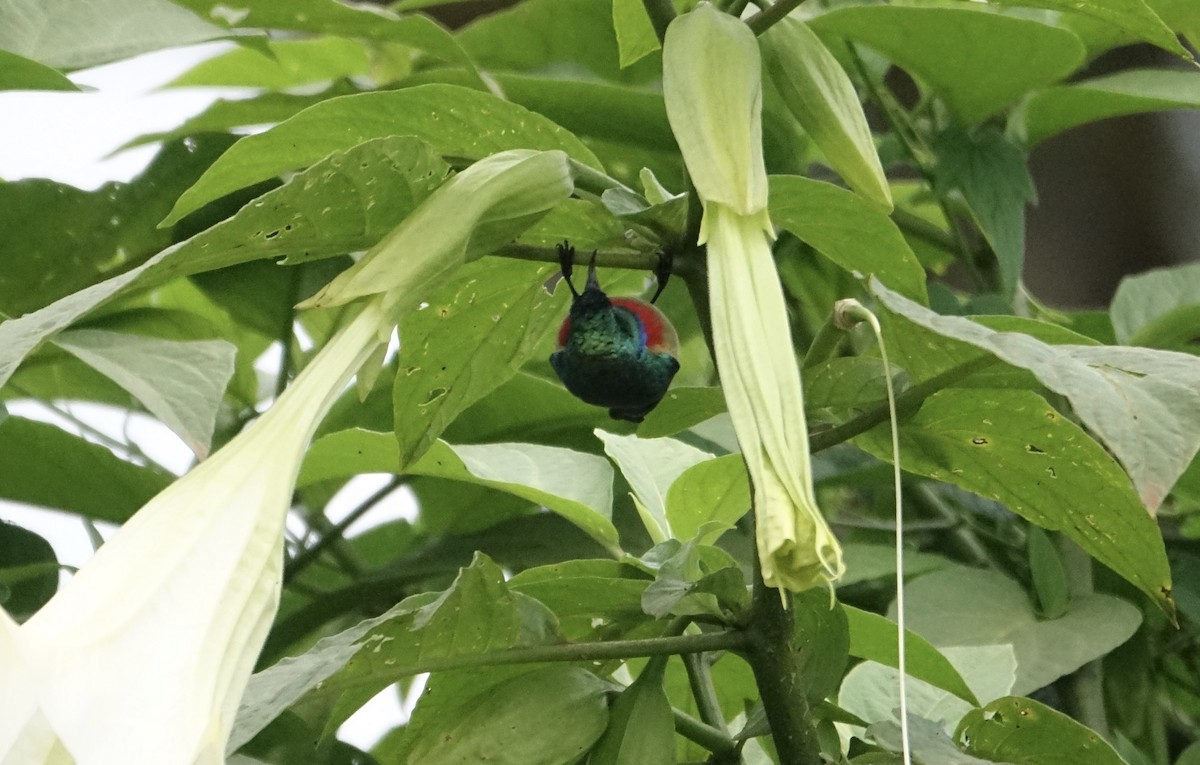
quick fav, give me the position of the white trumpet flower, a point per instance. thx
(143, 656)
(712, 86)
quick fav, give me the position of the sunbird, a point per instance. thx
(619, 353)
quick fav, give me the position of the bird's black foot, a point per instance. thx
(566, 263)
(662, 271)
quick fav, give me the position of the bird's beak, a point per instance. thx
(592, 281)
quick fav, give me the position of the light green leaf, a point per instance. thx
(971, 607)
(1048, 574)
(848, 230)
(68, 35)
(344, 203)
(1158, 308)
(871, 690)
(874, 638)
(1026, 732)
(990, 172)
(46, 466)
(1143, 404)
(868, 562)
(335, 18)
(575, 485)
(1011, 446)
(978, 59)
(291, 63)
(651, 465)
(641, 729)
(20, 73)
(180, 383)
(682, 408)
(708, 498)
(455, 121)
(1050, 111)
(822, 98)
(1181, 15)
(635, 34)
(1132, 16)
(930, 744)
(470, 337)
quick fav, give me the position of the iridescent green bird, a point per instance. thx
(619, 353)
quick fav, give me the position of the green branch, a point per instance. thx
(631, 259)
(305, 557)
(721, 745)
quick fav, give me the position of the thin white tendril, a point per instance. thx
(852, 309)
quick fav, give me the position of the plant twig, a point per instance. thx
(769, 17)
(720, 744)
(709, 707)
(661, 13)
(309, 554)
(906, 402)
(631, 259)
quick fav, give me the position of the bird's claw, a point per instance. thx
(662, 271)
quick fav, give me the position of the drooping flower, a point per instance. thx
(143, 656)
(712, 87)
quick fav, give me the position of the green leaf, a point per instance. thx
(334, 18)
(651, 465)
(20, 73)
(475, 615)
(708, 498)
(29, 576)
(180, 383)
(641, 726)
(508, 722)
(453, 120)
(1143, 404)
(680, 409)
(531, 37)
(225, 115)
(59, 239)
(822, 98)
(1180, 15)
(43, 465)
(990, 173)
(874, 638)
(290, 63)
(969, 607)
(1158, 309)
(344, 203)
(470, 337)
(1026, 732)
(575, 485)
(592, 599)
(70, 35)
(822, 640)
(636, 37)
(1050, 111)
(1132, 16)
(1011, 446)
(1049, 576)
(978, 59)
(848, 230)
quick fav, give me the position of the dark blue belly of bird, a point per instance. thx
(619, 353)
(628, 385)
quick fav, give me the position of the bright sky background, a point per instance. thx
(69, 137)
